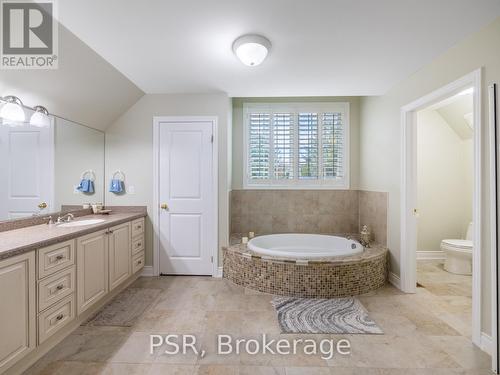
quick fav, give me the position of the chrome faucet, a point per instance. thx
(61, 219)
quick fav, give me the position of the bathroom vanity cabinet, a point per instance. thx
(92, 269)
(120, 255)
(17, 308)
(47, 292)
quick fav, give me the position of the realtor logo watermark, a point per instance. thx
(173, 344)
(29, 37)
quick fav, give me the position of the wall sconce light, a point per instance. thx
(40, 117)
(13, 109)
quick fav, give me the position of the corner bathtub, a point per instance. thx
(304, 246)
(305, 265)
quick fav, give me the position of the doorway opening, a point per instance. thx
(417, 203)
(444, 194)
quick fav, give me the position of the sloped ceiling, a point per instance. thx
(85, 88)
(454, 112)
(320, 48)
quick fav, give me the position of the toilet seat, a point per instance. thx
(457, 244)
(458, 254)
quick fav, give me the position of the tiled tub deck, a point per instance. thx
(324, 278)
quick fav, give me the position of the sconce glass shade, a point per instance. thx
(40, 117)
(13, 109)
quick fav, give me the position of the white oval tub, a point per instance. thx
(304, 246)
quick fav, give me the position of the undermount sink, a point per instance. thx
(80, 223)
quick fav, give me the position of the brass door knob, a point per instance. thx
(42, 205)
(164, 206)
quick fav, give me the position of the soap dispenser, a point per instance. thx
(365, 236)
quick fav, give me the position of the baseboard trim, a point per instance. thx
(431, 255)
(147, 271)
(395, 280)
(219, 272)
(486, 343)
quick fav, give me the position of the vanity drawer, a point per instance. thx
(137, 227)
(54, 288)
(138, 244)
(138, 262)
(55, 258)
(55, 318)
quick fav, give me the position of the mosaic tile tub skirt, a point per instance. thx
(349, 276)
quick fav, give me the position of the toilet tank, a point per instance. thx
(469, 234)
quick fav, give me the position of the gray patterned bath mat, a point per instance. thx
(125, 308)
(336, 315)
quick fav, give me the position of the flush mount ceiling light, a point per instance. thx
(251, 49)
(12, 110)
(40, 117)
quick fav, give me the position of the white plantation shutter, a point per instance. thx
(308, 146)
(332, 142)
(283, 146)
(297, 144)
(259, 145)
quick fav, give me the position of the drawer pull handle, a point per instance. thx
(59, 317)
(59, 287)
(59, 257)
(139, 244)
(139, 262)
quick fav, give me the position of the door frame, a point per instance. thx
(157, 120)
(409, 190)
(494, 164)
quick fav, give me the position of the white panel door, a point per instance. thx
(26, 170)
(186, 222)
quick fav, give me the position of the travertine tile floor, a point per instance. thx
(421, 336)
(454, 293)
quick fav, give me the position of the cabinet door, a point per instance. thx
(119, 255)
(92, 269)
(17, 308)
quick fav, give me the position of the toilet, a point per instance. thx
(458, 254)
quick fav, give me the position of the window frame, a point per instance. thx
(296, 107)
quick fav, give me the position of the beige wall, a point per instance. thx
(77, 149)
(237, 166)
(380, 140)
(129, 147)
(444, 170)
(85, 88)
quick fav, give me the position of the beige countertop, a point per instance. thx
(18, 241)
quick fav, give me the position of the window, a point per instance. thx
(296, 145)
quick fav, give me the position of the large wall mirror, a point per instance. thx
(42, 167)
